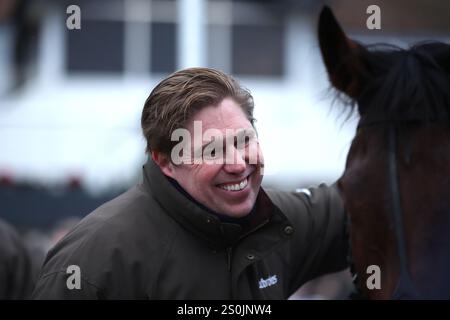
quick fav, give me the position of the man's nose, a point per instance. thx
(235, 163)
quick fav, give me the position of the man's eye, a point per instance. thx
(241, 142)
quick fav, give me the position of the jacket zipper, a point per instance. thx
(229, 257)
(230, 249)
(229, 252)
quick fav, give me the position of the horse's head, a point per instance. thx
(396, 184)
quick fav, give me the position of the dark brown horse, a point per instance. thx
(396, 184)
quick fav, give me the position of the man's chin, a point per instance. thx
(237, 211)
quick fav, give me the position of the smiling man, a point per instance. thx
(199, 226)
(225, 181)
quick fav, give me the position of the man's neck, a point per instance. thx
(243, 221)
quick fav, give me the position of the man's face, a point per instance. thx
(230, 187)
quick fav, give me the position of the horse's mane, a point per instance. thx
(406, 84)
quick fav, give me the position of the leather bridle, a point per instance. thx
(404, 288)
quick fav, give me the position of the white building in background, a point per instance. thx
(78, 115)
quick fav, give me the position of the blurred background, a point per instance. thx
(70, 100)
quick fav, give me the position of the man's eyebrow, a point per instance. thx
(239, 134)
(250, 132)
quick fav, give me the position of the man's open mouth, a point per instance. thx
(234, 186)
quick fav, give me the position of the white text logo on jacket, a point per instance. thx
(270, 281)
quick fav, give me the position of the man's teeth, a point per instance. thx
(236, 186)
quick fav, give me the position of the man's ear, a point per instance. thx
(341, 55)
(163, 162)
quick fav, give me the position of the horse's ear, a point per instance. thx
(439, 51)
(342, 56)
(442, 56)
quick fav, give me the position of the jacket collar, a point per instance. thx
(198, 220)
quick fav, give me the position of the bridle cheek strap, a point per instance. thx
(405, 287)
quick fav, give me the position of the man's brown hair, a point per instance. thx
(178, 97)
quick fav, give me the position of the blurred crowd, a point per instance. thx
(22, 254)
